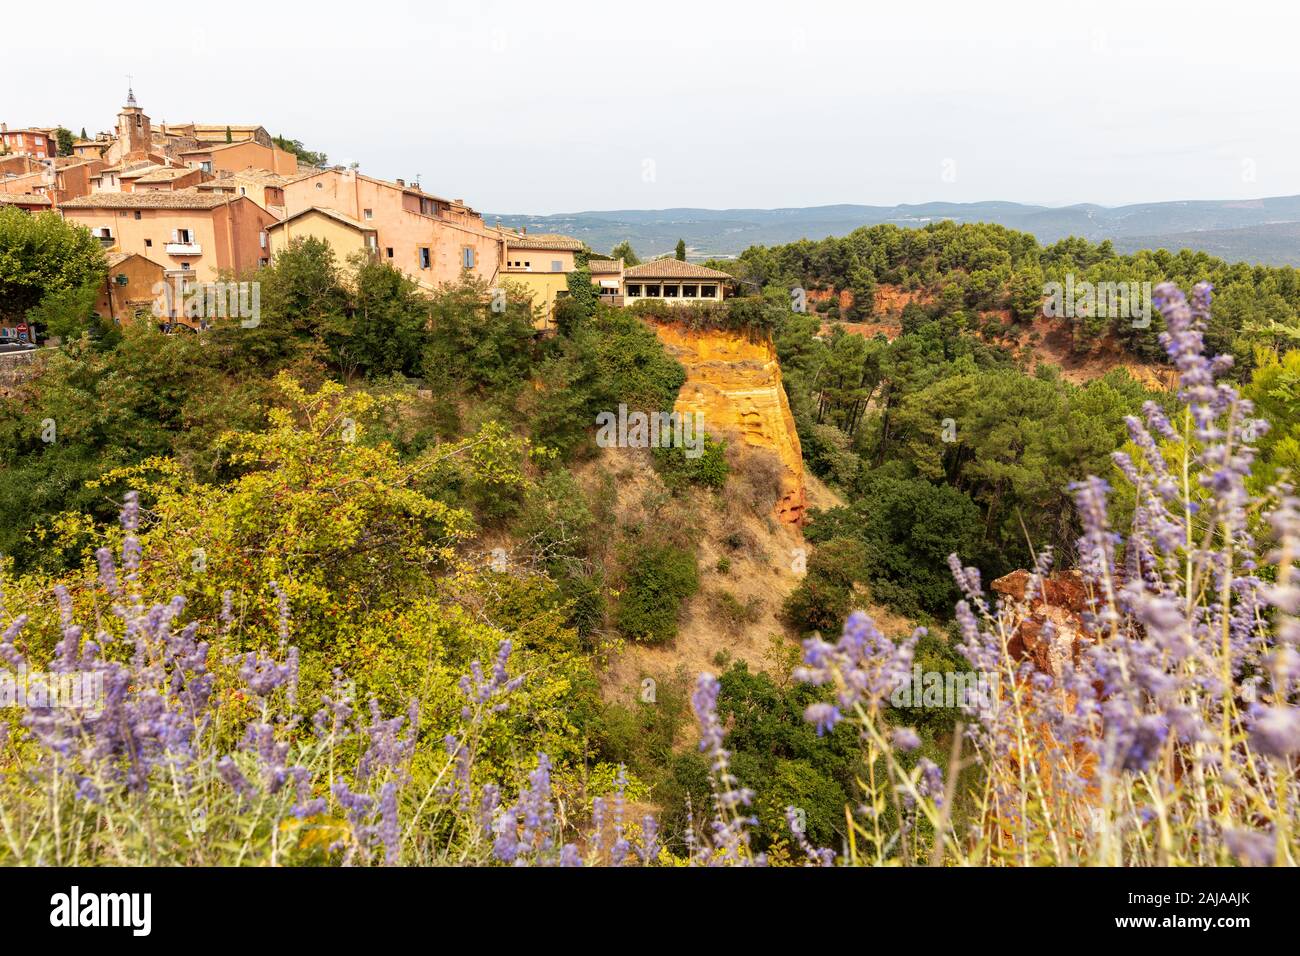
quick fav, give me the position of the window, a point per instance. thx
(633, 291)
(708, 292)
(424, 257)
(320, 185)
(467, 257)
(557, 265)
(261, 238)
(243, 191)
(690, 291)
(183, 236)
(137, 214)
(185, 266)
(389, 251)
(148, 243)
(206, 167)
(670, 292)
(368, 213)
(263, 263)
(652, 290)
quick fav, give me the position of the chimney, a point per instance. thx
(402, 183)
(4, 127)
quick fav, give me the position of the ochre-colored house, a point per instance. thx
(539, 265)
(131, 288)
(188, 232)
(345, 235)
(675, 282)
(37, 143)
(233, 157)
(163, 179)
(607, 277)
(432, 240)
(260, 185)
(59, 179)
(215, 133)
(28, 202)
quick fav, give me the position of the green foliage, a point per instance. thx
(44, 257)
(1275, 389)
(305, 156)
(678, 468)
(680, 252)
(657, 578)
(63, 137)
(624, 251)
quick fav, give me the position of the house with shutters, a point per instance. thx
(433, 240)
(131, 289)
(538, 266)
(37, 143)
(190, 233)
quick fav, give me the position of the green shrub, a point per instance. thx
(708, 470)
(657, 579)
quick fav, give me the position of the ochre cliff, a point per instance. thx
(735, 380)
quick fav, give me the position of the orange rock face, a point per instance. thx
(734, 379)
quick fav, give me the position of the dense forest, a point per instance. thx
(398, 489)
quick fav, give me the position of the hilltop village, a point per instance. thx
(190, 203)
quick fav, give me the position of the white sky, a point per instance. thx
(545, 107)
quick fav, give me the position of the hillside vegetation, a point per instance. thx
(362, 588)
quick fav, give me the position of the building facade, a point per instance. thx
(189, 233)
(675, 282)
(433, 240)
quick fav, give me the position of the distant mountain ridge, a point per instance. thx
(1265, 231)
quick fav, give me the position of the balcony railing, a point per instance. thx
(184, 249)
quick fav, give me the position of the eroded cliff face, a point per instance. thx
(735, 380)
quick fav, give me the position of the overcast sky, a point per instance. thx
(545, 107)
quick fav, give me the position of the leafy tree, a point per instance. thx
(63, 137)
(681, 250)
(657, 579)
(385, 330)
(306, 156)
(624, 251)
(41, 256)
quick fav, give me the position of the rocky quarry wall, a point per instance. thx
(734, 379)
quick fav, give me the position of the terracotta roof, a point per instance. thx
(180, 199)
(550, 240)
(163, 174)
(325, 211)
(248, 176)
(604, 267)
(672, 269)
(24, 199)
